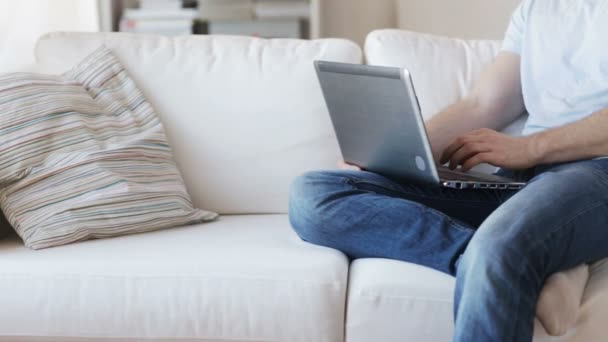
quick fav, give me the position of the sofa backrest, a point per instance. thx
(443, 69)
(244, 115)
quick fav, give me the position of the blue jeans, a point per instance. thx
(500, 245)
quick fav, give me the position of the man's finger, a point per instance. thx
(456, 145)
(466, 152)
(451, 149)
(482, 131)
(480, 158)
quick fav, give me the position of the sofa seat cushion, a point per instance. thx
(242, 278)
(382, 292)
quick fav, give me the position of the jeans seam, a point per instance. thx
(519, 301)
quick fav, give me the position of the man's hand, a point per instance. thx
(488, 146)
(343, 166)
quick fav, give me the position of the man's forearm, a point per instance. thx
(584, 139)
(444, 127)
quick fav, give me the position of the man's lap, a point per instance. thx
(467, 206)
(567, 188)
(561, 210)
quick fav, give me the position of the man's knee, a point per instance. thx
(307, 195)
(482, 254)
(496, 255)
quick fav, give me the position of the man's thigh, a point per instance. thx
(560, 219)
(468, 206)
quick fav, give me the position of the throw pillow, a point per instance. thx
(83, 155)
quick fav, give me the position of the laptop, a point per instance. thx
(379, 126)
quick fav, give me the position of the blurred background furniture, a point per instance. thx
(349, 19)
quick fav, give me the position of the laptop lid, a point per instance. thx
(377, 120)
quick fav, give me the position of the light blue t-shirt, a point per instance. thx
(563, 46)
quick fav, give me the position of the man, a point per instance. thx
(500, 245)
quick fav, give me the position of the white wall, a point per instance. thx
(23, 21)
(354, 19)
(473, 19)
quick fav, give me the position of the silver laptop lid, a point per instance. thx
(377, 119)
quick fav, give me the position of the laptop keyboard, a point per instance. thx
(447, 174)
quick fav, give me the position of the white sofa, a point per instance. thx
(244, 116)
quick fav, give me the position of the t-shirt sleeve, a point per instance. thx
(517, 28)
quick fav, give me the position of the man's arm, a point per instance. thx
(584, 139)
(495, 101)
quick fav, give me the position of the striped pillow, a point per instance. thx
(84, 155)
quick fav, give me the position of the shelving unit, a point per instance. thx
(112, 10)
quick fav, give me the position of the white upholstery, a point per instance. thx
(397, 301)
(391, 300)
(243, 278)
(443, 70)
(244, 115)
